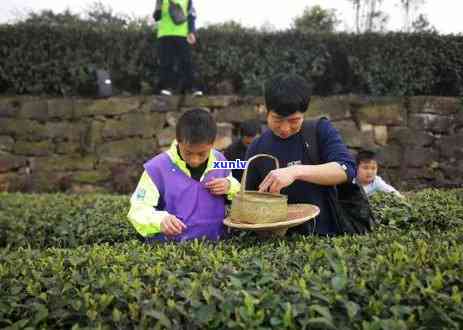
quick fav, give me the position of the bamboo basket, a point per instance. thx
(256, 207)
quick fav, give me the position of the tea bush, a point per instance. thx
(408, 274)
(388, 280)
(67, 221)
(59, 220)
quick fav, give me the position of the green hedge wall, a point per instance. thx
(53, 59)
(68, 221)
(405, 275)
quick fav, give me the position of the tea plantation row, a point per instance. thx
(74, 262)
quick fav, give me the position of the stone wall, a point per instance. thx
(80, 145)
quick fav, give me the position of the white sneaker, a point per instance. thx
(197, 93)
(166, 92)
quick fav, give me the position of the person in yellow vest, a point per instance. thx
(175, 37)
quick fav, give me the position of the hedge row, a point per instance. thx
(387, 280)
(405, 275)
(53, 59)
(68, 221)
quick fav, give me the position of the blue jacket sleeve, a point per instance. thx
(333, 149)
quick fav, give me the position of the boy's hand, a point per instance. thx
(191, 38)
(171, 226)
(219, 186)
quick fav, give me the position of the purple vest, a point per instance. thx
(188, 199)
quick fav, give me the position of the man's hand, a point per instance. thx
(277, 180)
(219, 186)
(171, 226)
(191, 38)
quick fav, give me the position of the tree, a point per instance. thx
(375, 18)
(410, 7)
(228, 26)
(267, 27)
(368, 15)
(422, 24)
(100, 14)
(357, 7)
(48, 17)
(316, 20)
(96, 14)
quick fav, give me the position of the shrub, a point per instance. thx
(387, 280)
(405, 275)
(60, 220)
(44, 58)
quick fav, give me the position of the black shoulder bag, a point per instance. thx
(354, 214)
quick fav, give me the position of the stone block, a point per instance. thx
(410, 137)
(23, 128)
(6, 143)
(127, 149)
(454, 172)
(136, 124)
(106, 107)
(49, 181)
(62, 163)
(430, 122)
(93, 177)
(210, 101)
(389, 112)
(91, 135)
(353, 137)
(84, 188)
(67, 148)
(10, 162)
(392, 156)
(42, 148)
(13, 182)
(61, 108)
(459, 120)
(381, 135)
(63, 131)
(9, 107)
(172, 118)
(434, 105)
(364, 127)
(418, 173)
(451, 146)
(161, 104)
(36, 110)
(333, 107)
(240, 113)
(420, 157)
(166, 136)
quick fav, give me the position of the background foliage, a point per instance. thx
(52, 54)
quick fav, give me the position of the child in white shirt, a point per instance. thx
(367, 177)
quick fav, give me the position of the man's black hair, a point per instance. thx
(366, 156)
(250, 128)
(196, 126)
(287, 94)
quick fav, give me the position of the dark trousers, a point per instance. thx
(176, 67)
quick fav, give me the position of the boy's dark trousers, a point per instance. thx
(176, 67)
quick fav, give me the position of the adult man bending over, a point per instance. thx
(287, 98)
